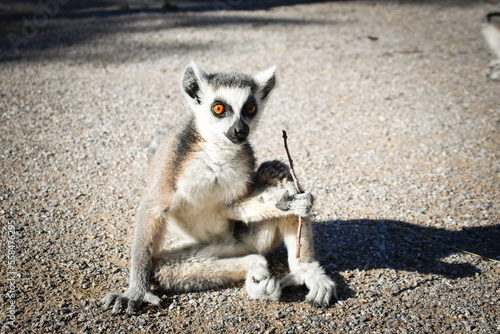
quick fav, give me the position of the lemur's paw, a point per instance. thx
(321, 290)
(260, 284)
(299, 204)
(133, 298)
(321, 287)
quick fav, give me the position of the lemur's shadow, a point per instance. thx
(372, 244)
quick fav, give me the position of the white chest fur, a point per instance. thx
(213, 177)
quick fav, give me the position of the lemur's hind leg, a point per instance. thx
(273, 178)
(305, 270)
(202, 267)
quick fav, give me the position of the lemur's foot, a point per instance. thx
(133, 298)
(321, 287)
(260, 284)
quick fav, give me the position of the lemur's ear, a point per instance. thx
(266, 81)
(192, 82)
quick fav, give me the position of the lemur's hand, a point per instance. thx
(298, 203)
(133, 297)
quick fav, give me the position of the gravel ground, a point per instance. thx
(391, 121)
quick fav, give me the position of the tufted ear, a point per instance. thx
(266, 81)
(192, 82)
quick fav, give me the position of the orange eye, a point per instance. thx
(218, 109)
(251, 108)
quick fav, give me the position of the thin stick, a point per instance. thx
(296, 182)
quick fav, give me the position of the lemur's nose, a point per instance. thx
(241, 130)
(238, 132)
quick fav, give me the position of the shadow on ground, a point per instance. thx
(389, 244)
(31, 29)
(34, 29)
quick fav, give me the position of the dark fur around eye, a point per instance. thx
(245, 111)
(227, 109)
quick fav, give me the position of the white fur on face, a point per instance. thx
(212, 128)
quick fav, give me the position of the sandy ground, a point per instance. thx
(392, 124)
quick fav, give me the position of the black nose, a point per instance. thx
(238, 132)
(241, 131)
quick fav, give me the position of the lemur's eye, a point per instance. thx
(218, 109)
(251, 108)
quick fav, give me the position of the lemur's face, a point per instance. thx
(228, 114)
(226, 105)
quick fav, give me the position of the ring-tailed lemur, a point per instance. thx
(203, 183)
(491, 32)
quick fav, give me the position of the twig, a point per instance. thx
(296, 182)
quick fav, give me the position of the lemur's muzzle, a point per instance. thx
(238, 132)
